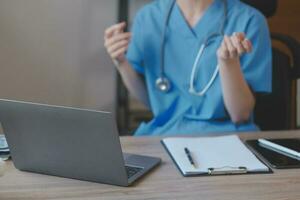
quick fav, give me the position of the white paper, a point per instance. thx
(213, 152)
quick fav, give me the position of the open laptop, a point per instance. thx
(69, 142)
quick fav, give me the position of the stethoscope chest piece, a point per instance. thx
(163, 84)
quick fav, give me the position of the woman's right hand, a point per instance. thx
(116, 42)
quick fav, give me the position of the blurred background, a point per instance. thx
(51, 51)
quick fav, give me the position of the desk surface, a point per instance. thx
(165, 182)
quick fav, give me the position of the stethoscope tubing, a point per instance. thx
(163, 83)
(192, 89)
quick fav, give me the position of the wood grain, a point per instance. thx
(165, 182)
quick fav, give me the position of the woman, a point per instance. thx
(185, 90)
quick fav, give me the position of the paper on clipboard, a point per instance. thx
(225, 152)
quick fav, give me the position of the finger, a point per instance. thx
(244, 41)
(223, 51)
(232, 50)
(110, 31)
(226, 52)
(117, 46)
(118, 53)
(247, 45)
(238, 45)
(241, 36)
(118, 31)
(117, 38)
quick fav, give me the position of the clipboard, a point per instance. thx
(214, 170)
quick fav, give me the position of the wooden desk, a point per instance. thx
(165, 182)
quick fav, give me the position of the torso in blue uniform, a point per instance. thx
(179, 112)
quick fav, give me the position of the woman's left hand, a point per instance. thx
(233, 47)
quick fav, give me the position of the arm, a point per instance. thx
(238, 97)
(133, 82)
(116, 43)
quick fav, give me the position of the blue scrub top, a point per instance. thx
(179, 112)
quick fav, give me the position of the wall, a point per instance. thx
(51, 51)
(287, 18)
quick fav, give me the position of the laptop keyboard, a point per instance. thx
(131, 171)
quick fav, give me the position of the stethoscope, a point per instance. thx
(163, 84)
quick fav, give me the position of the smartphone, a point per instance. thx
(275, 159)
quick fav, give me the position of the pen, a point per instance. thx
(279, 148)
(189, 156)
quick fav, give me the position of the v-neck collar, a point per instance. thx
(205, 23)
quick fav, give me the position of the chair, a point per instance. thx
(277, 111)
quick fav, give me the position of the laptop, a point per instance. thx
(69, 142)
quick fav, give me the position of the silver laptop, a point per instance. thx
(69, 142)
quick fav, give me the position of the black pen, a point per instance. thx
(189, 155)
